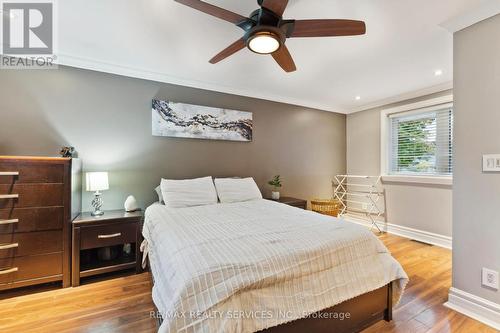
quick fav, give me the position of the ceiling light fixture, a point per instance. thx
(358, 98)
(264, 42)
(438, 72)
(266, 31)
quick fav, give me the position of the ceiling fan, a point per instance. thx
(266, 31)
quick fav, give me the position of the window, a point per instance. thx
(421, 142)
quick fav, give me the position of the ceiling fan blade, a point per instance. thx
(284, 59)
(327, 28)
(229, 51)
(276, 6)
(209, 9)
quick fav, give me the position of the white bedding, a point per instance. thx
(247, 266)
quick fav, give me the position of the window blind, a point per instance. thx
(421, 142)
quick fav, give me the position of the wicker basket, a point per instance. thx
(326, 206)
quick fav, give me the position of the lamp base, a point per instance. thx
(97, 204)
(97, 213)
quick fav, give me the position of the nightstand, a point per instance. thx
(299, 203)
(105, 244)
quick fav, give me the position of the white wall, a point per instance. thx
(476, 195)
(426, 208)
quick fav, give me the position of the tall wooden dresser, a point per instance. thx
(39, 197)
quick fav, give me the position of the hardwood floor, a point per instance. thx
(123, 304)
(421, 308)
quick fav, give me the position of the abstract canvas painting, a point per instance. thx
(200, 122)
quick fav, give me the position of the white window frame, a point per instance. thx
(385, 140)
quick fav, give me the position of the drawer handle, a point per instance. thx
(9, 246)
(9, 196)
(118, 234)
(9, 173)
(9, 221)
(8, 271)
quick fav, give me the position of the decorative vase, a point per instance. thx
(131, 204)
(275, 195)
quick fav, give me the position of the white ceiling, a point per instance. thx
(165, 41)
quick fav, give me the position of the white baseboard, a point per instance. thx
(415, 234)
(475, 307)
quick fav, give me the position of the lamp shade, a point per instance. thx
(97, 181)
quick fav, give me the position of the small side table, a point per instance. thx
(109, 232)
(299, 203)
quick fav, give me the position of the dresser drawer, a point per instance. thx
(31, 219)
(31, 195)
(22, 173)
(30, 267)
(107, 235)
(33, 243)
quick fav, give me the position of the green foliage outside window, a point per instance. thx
(416, 150)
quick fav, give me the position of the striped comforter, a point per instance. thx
(244, 267)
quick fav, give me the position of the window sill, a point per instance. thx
(424, 180)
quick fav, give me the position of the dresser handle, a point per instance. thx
(9, 173)
(9, 221)
(8, 271)
(118, 234)
(9, 196)
(9, 246)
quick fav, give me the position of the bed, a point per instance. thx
(263, 266)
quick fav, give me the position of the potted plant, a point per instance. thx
(276, 184)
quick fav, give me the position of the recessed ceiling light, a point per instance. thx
(438, 72)
(358, 98)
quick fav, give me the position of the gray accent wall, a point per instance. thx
(476, 194)
(108, 119)
(421, 207)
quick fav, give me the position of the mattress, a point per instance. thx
(247, 266)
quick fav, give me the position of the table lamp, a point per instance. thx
(96, 182)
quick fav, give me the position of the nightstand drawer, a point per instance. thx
(294, 202)
(107, 235)
(23, 244)
(302, 205)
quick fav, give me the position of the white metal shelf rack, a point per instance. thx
(361, 197)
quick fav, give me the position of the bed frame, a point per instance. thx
(365, 310)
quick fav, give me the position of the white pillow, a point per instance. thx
(188, 192)
(160, 196)
(237, 189)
